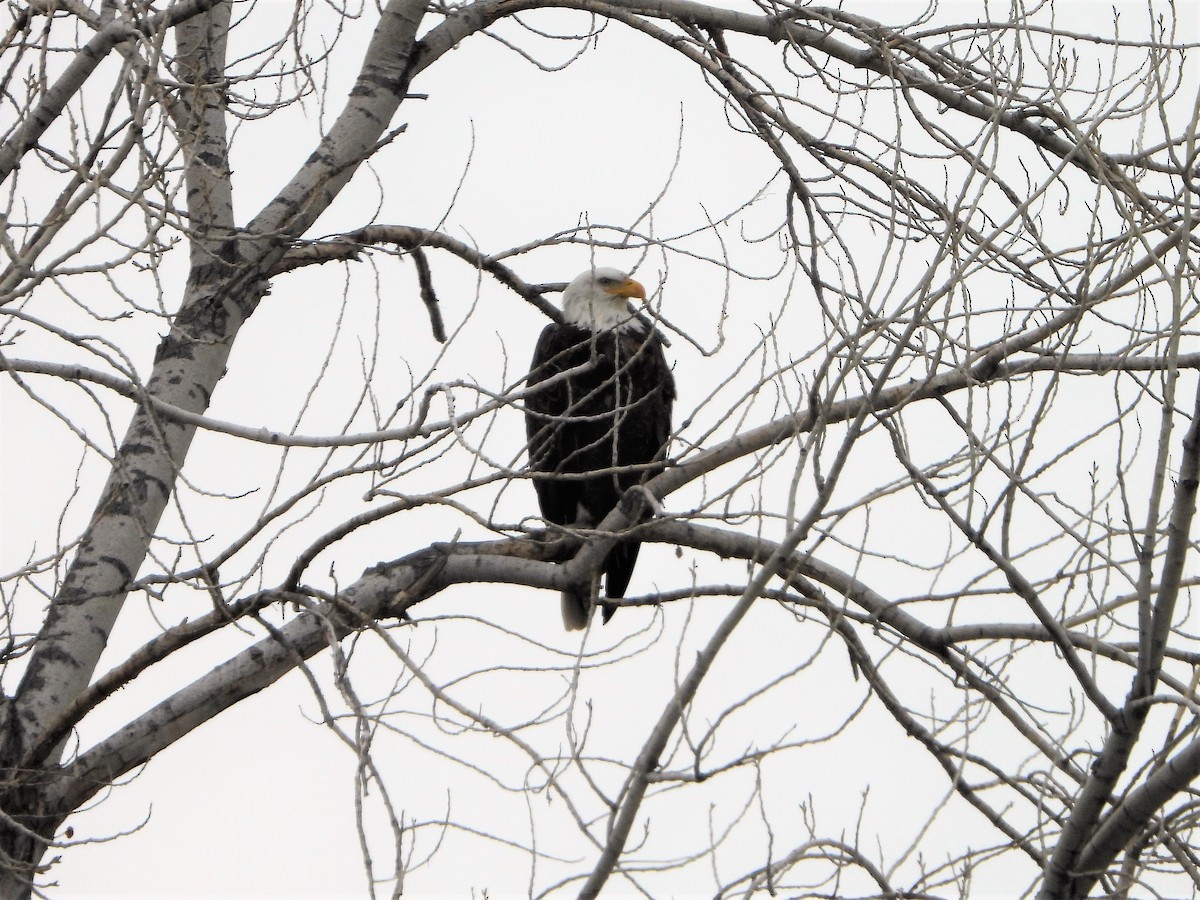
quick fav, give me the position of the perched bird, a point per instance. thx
(608, 420)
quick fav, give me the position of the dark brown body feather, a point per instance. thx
(611, 418)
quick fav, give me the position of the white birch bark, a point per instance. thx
(228, 278)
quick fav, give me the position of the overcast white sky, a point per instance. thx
(261, 801)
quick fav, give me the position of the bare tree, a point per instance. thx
(915, 615)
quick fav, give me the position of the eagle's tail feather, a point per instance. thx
(576, 610)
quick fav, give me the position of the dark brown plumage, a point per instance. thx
(609, 420)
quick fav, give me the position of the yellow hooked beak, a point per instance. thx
(628, 288)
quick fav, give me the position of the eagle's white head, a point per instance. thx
(598, 299)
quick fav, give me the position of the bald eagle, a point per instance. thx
(604, 427)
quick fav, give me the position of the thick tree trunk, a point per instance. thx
(229, 276)
(189, 362)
